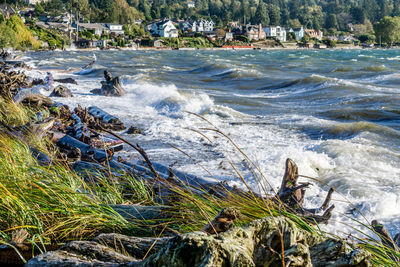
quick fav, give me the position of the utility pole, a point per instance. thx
(77, 23)
(70, 23)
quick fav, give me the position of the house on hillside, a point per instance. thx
(34, 2)
(253, 32)
(163, 28)
(185, 26)
(317, 34)
(95, 28)
(191, 4)
(276, 31)
(58, 26)
(115, 28)
(228, 36)
(203, 26)
(6, 10)
(299, 32)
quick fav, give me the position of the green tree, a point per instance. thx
(39, 9)
(387, 30)
(261, 15)
(331, 22)
(274, 15)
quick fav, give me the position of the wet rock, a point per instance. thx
(61, 91)
(110, 87)
(66, 80)
(256, 244)
(134, 130)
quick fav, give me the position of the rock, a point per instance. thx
(110, 87)
(66, 80)
(134, 130)
(61, 91)
(256, 244)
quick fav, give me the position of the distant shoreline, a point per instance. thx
(211, 49)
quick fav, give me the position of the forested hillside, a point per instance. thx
(317, 14)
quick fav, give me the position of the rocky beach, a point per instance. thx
(112, 188)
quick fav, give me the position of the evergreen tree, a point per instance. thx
(261, 15)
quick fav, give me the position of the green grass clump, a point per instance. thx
(53, 202)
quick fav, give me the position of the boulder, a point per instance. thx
(61, 91)
(259, 243)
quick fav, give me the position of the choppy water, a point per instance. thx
(335, 113)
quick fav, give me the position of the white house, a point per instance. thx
(276, 31)
(34, 2)
(299, 32)
(203, 26)
(163, 28)
(190, 4)
(115, 28)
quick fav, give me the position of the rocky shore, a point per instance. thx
(85, 141)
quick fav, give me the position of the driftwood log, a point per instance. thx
(291, 195)
(387, 240)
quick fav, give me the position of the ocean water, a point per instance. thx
(336, 113)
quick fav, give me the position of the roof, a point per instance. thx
(92, 25)
(6, 8)
(113, 24)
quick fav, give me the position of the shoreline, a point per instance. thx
(208, 49)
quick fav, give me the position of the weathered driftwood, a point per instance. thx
(93, 172)
(42, 158)
(385, 236)
(105, 119)
(259, 243)
(89, 153)
(291, 194)
(38, 129)
(11, 81)
(222, 222)
(79, 130)
(137, 247)
(110, 87)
